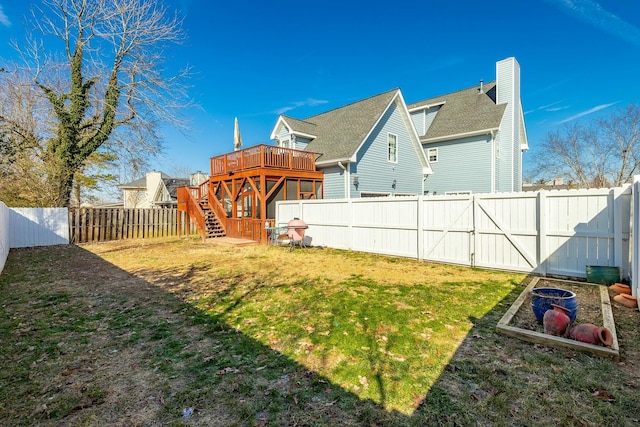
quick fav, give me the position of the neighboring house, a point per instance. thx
(156, 190)
(470, 141)
(555, 184)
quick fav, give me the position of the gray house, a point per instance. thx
(468, 141)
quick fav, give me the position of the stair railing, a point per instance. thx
(217, 208)
(194, 211)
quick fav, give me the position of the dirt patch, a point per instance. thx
(587, 298)
(593, 306)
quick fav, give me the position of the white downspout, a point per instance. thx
(347, 191)
(493, 161)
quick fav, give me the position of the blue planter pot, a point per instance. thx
(542, 298)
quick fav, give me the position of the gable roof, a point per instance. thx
(300, 127)
(172, 185)
(339, 132)
(463, 112)
(140, 183)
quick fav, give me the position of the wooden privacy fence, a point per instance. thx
(547, 233)
(102, 224)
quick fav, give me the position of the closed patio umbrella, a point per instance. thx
(237, 138)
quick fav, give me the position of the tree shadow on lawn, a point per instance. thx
(87, 342)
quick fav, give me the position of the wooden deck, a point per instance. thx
(263, 157)
(244, 186)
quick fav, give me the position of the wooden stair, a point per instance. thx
(212, 224)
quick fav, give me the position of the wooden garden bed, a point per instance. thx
(520, 322)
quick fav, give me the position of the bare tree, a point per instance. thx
(107, 88)
(602, 154)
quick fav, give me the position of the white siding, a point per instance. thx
(38, 227)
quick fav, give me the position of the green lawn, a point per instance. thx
(135, 332)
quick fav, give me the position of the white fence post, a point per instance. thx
(635, 227)
(473, 236)
(4, 234)
(616, 202)
(420, 228)
(543, 227)
(350, 223)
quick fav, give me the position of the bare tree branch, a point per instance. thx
(605, 153)
(108, 87)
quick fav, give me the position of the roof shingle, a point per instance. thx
(340, 132)
(464, 111)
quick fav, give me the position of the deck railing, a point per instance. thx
(263, 156)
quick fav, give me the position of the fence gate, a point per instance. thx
(447, 229)
(505, 232)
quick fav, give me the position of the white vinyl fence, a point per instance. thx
(635, 238)
(27, 227)
(38, 227)
(4, 234)
(547, 232)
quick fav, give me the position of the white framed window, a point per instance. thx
(432, 154)
(457, 193)
(392, 146)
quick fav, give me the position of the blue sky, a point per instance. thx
(580, 59)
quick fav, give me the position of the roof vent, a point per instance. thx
(481, 88)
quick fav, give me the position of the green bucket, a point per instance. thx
(603, 274)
